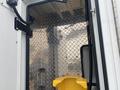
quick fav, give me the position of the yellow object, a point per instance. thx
(70, 83)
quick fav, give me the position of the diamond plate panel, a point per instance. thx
(55, 49)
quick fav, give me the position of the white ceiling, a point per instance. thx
(56, 7)
(59, 7)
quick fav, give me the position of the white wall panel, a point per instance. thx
(12, 49)
(111, 49)
(21, 50)
(116, 5)
(8, 50)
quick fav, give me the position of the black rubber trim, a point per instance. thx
(101, 45)
(96, 70)
(27, 62)
(82, 66)
(20, 24)
(93, 84)
(27, 55)
(92, 44)
(88, 15)
(18, 15)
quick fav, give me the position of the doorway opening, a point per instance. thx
(61, 44)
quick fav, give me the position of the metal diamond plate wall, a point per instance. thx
(71, 38)
(55, 49)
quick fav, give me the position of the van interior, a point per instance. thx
(61, 44)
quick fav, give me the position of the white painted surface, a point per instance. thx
(116, 5)
(12, 49)
(110, 44)
(8, 50)
(21, 47)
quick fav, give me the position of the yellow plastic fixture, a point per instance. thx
(70, 83)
